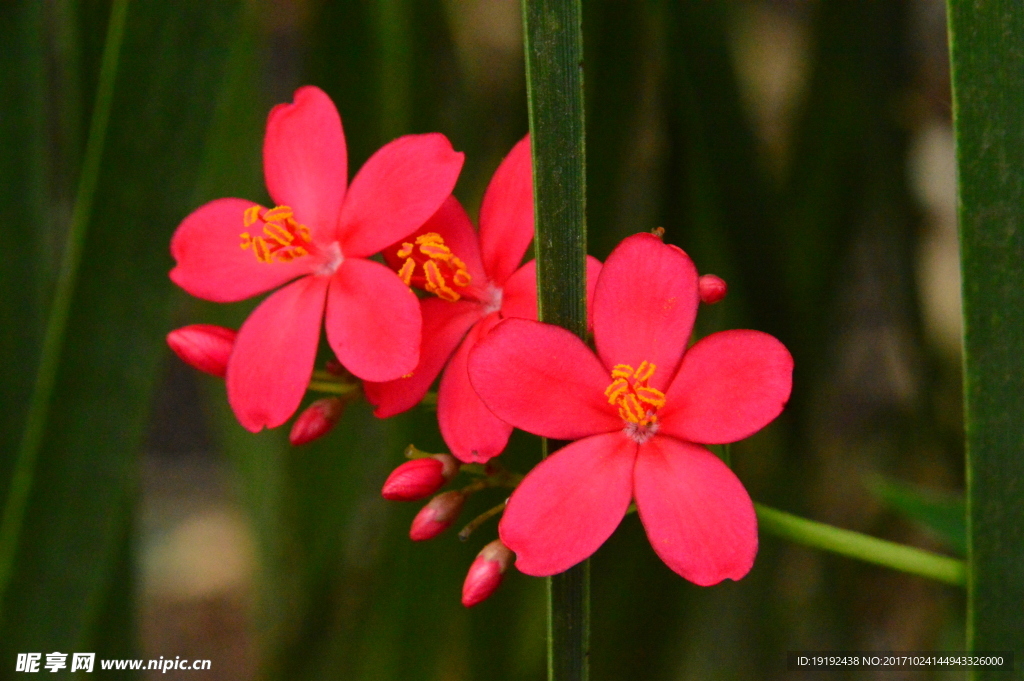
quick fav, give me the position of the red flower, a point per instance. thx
(636, 409)
(321, 235)
(477, 283)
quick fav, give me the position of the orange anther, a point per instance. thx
(405, 274)
(622, 371)
(436, 283)
(651, 396)
(615, 390)
(436, 251)
(251, 215)
(644, 371)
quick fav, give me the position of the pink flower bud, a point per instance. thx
(712, 289)
(203, 346)
(419, 478)
(316, 421)
(485, 574)
(434, 518)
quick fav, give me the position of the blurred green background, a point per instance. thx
(801, 150)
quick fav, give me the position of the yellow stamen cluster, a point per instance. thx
(438, 262)
(283, 238)
(638, 402)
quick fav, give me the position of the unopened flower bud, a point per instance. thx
(434, 518)
(316, 421)
(419, 478)
(485, 574)
(712, 289)
(203, 346)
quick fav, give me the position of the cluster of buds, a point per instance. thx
(208, 348)
(424, 475)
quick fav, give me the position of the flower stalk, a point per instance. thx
(861, 546)
(553, 38)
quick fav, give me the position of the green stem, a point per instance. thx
(17, 500)
(861, 546)
(472, 526)
(333, 388)
(553, 36)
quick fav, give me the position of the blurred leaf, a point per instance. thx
(942, 513)
(25, 272)
(620, 47)
(70, 574)
(718, 203)
(987, 55)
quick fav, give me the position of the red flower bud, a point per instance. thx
(434, 518)
(316, 421)
(485, 574)
(419, 478)
(712, 289)
(203, 346)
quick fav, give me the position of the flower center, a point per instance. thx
(494, 297)
(332, 260)
(283, 238)
(638, 402)
(432, 265)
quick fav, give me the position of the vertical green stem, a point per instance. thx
(987, 59)
(53, 341)
(554, 82)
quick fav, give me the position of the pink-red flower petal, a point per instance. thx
(730, 385)
(506, 214)
(373, 321)
(211, 263)
(543, 379)
(471, 431)
(699, 518)
(305, 162)
(396, 191)
(274, 352)
(444, 326)
(520, 294)
(645, 305)
(569, 504)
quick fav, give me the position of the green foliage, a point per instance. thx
(987, 55)
(72, 581)
(554, 87)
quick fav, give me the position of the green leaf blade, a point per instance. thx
(987, 58)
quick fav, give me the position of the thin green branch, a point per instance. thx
(333, 388)
(53, 340)
(861, 546)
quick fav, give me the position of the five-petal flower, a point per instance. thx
(321, 234)
(637, 409)
(478, 282)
